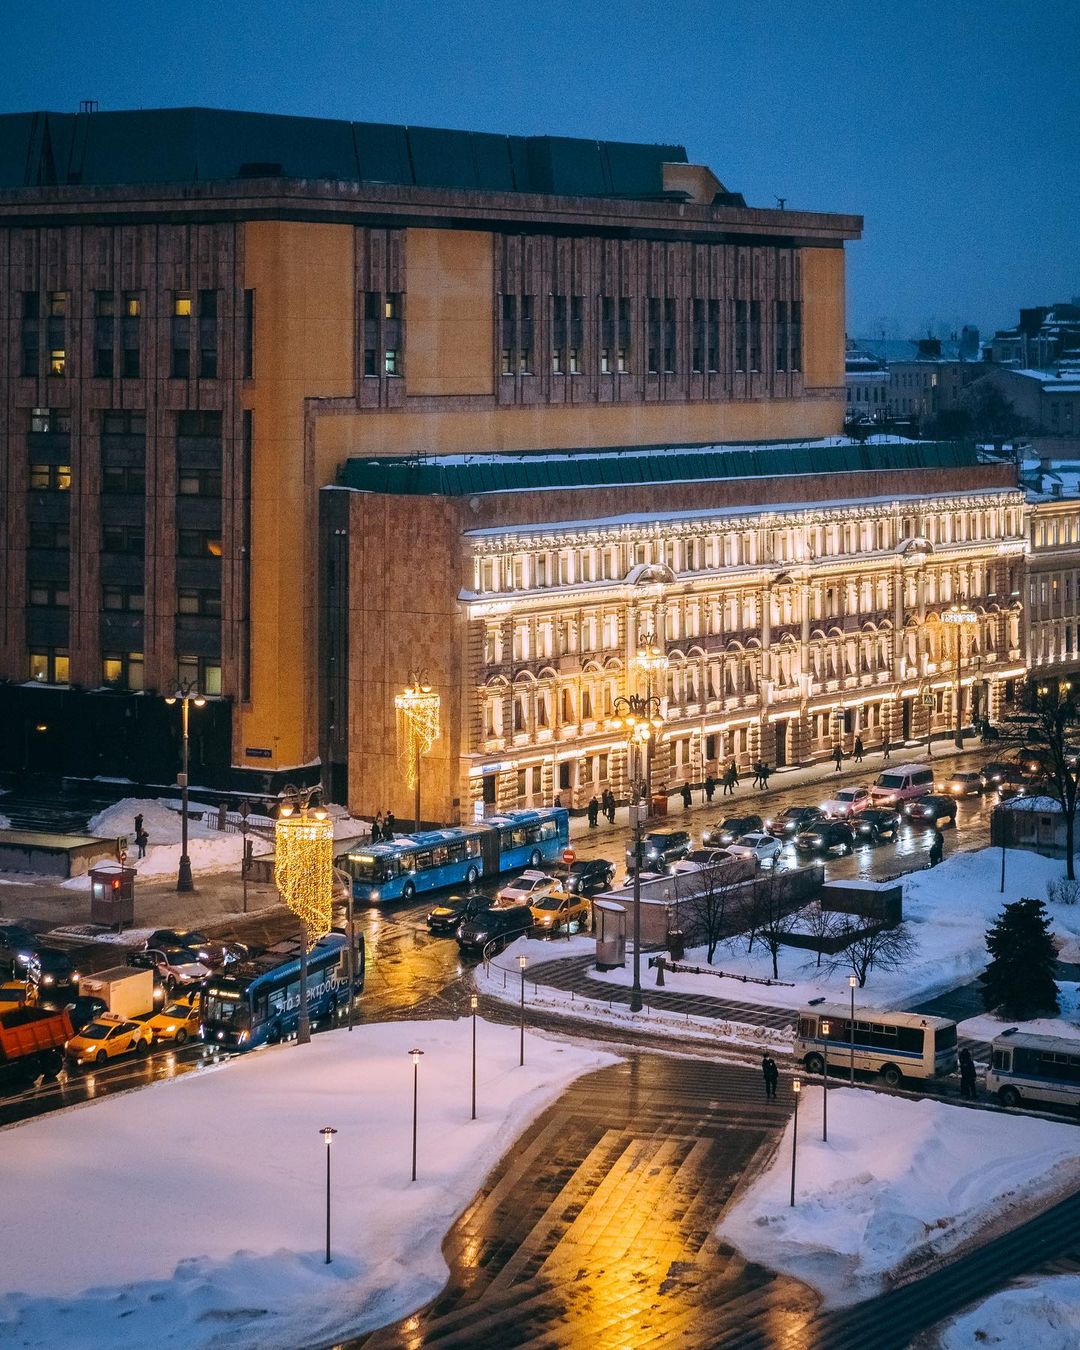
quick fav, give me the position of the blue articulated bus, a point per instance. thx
(257, 1001)
(412, 863)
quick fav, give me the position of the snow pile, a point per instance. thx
(5, 823)
(1036, 1312)
(210, 850)
(209, 1228)
(986, 1026)
(346, 826)
(899, 1182)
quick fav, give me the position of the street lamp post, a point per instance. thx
(328, 1133)
(186, 694)
(852, 982)
(415, 1056)
(418, 730)
(825, 1082)
(473, 1001)
(957, 616)
(641, 717)
(653, 660)
(796, 1087)
(521, 965)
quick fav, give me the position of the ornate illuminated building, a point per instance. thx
(293, 408)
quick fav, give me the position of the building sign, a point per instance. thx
(255, 753)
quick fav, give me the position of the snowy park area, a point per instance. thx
(1043, 1312)
(987, 1026)
(899, 1182)
(194, 1209)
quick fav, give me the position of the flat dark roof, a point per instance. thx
(187, 145)
(474, 475)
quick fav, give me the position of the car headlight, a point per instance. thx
(547, 918)
(373, 895)
(47, 979)
(707, 836)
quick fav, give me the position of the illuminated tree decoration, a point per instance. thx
(418, 725)
(304, 865)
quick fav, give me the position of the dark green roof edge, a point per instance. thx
(466, 476)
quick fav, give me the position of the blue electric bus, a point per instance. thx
(257, 1001)
(461, 855)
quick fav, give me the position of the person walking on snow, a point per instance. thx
(763, 774)
(838, 756)
(771, 1074)
(593, 812)
(858, 749)
(687, 798)
(388, 826)
(376, 828)
(710, 787)
(967, 1075)
(937, 848)
(885, 748)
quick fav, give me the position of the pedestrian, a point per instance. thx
(885, 747)
(734, 775)
(967, 1075)
(388, 827)
(858, 749)
(756, 766)
(771, 1075)
(937, 848)
(687, 799)
(376, 828)
(593, 812)
(763, 774)
(558, 800)
(138, 826)
(142, 839)
(838, 756)
(710, 787)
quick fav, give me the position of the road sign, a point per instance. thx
(928, 700)
(121, 844)
(568, 856)
(123, 856)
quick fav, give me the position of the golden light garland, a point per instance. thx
(304, 866)
(418, 726)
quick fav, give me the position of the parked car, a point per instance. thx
(176, 967)
(872, 825)
(765, 848)
(83, 1010)
(530, 886)
(847, 802)
(706, 857)
(209, 951)
(825, 836)
(52, 970)
(179, 1022)
(16, 944)
(659, 850)
(930, 810)
(962, 785)
(449, 914)
(499, 925)
(588, 876)
(730, 829)
(561, 912)
(105, 1038)
(788, 823)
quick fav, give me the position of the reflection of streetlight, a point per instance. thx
(957, 616)
(328, 1133)
(825, 1082)
(852, 982)
(522, 959)
(415, 1056)
(641, 718)
(796, 1087)
(418, 730)
(473, 1001)
(186, 694)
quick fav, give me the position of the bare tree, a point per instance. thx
(822, 925)
(702, 901)
(777, 913)
(874, 948)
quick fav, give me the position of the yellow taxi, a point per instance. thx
(560, 912)
(179, 1022)
(105, 1038)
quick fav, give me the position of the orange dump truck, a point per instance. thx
(32, 1042)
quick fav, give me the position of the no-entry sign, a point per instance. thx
(568, 856)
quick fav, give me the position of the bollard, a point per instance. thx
(660, 972)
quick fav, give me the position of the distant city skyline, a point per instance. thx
(951, 129)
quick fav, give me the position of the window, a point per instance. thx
(132, 304)
(575, 365)
(249, 334)
(782, 336)
(49, 534)
(58, 304)
(123, 670)
(203, 672)
(57, 361)
(48, 594)
(181, 305)
(122, 598)
(123, 481)
(50, 477)
(199, 544)
(205, 603)
(118, 422)
(390, 362)
(123, 539)
(49, 665)
(392, 306)
(620, 361)
(755, 334)
(104, 333)
(740, 335)
(507, 361)
(199, 482)
(795, 335)
(369, 361)
(208, 307)
(181, 363)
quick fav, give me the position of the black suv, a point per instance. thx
(930, 811)
(589, 876)
(788, 823)
(659, 850)
(449, 914)
(870, 825)
(494, 925)
(734, 827)
(53, 971)
(824, 836)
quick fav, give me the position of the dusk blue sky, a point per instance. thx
(953, 127)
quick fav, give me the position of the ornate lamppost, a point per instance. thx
(641, 717)
(304, 875)
(653, 660)
(956, 616)
(418, 729)
(186, 694)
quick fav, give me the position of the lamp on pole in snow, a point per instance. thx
(522, 961)
(473, 1001)
(825, 1082)
(186, 694)
(796, 1088)
(852, 983)
(653, 660)
(328, 1133)
(415, 1055)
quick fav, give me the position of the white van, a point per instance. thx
(902, 783)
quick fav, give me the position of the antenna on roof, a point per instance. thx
(781, 202)
(88, 105)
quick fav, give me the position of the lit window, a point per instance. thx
(390, 363)
(182, 305)
(58, 303)
(112, 669)
(132, 305)
(572, 356)
(57, 361)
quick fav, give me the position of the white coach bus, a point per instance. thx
(1026, 1068)
(896, 1045)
